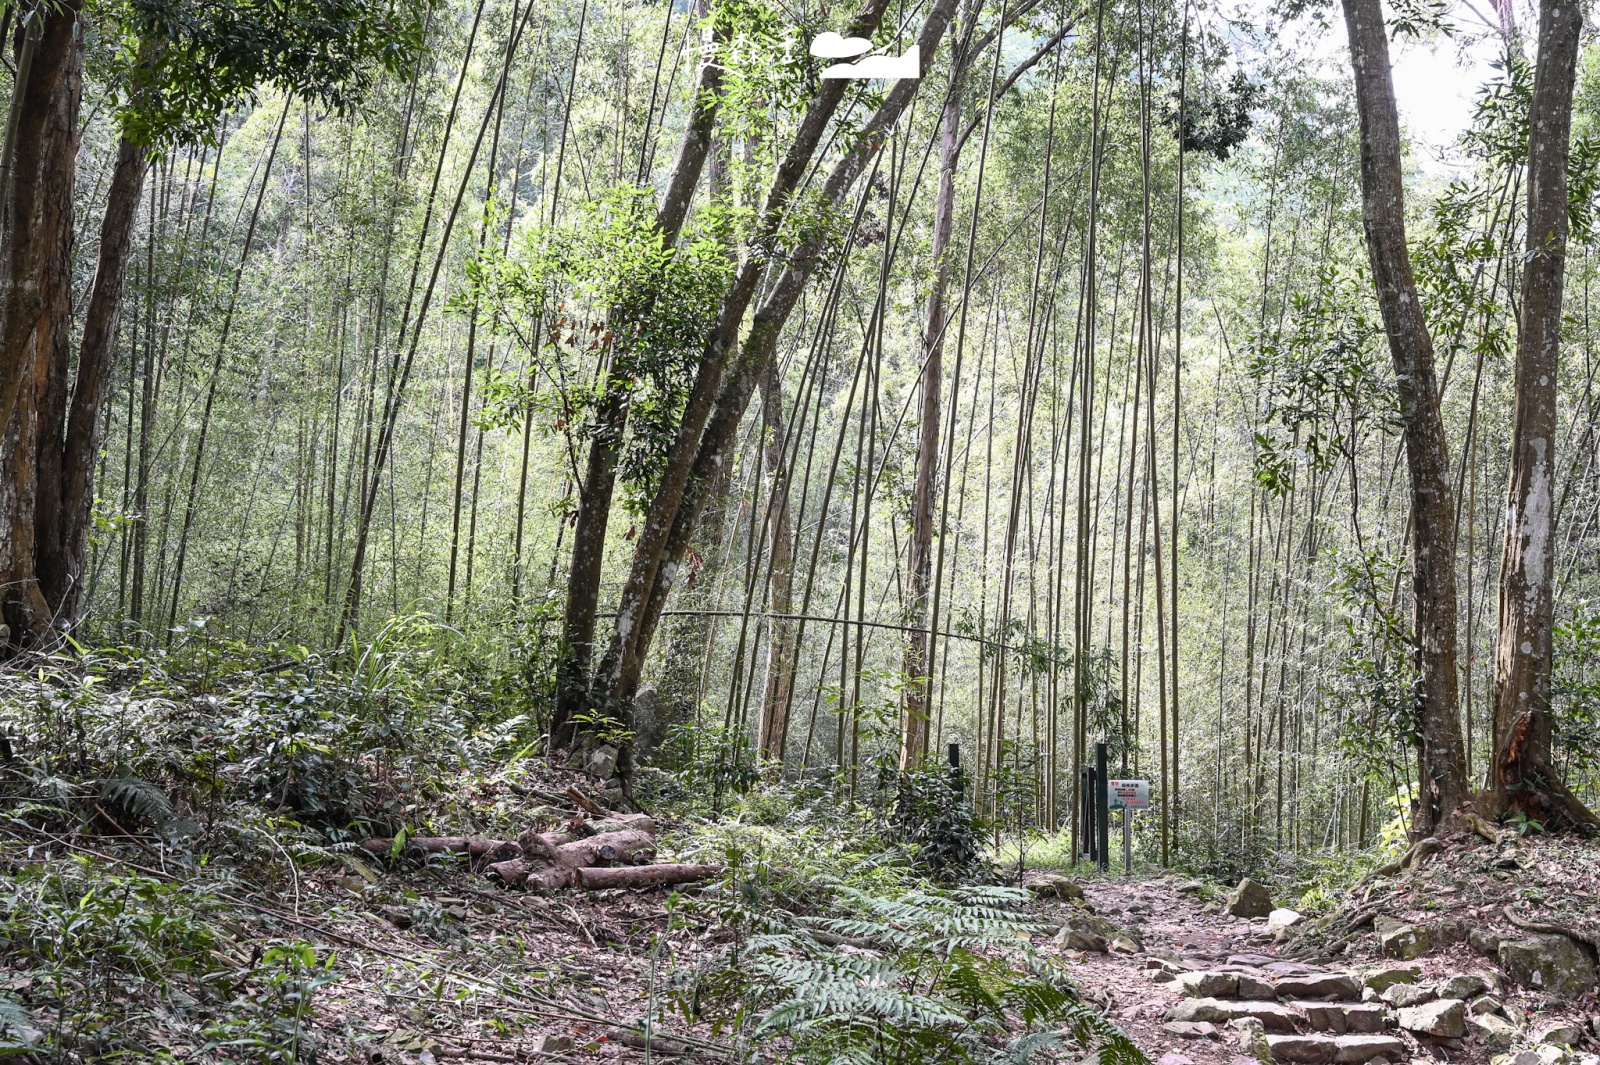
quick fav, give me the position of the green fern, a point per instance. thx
(17, 1026)
(140, 798)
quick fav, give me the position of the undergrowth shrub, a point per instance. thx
(919, 974)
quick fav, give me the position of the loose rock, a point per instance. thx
(1549, 963)
(1279, 920)
(1381, 980)
(1560, 1035)
(1191, 1029)
(1462, 987)
(1497, 1033)
(1249, 899)
(1446, 1018)
(1399, 940)
(1209, 985)
(1401, 996)
(1055, 886)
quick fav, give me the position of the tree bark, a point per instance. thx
(600, 476)
(1524, 777)
(1433, 585)
(773, 733)
(919, 566)
(66, 474)
(36, 233)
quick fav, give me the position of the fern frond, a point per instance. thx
(140, 798)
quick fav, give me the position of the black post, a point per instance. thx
(1102, 807)
(1086, 829)
(956, 786)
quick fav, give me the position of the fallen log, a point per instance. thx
(644, 876)
(497, 849)
(620, 848)
(542, 844)
(511, 873)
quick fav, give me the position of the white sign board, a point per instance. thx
(1128, 794)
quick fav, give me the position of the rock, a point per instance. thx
(1551, 1054)
(1055, 886)
(1254, 989)
(1172, 1057)
(1303, 1049)
(1380, 980)
(601, 762)
(1485, 941)
(1342, 1017)
(1446, 1018)
(1253, 1040)
(1249, 899)
(1369, 995)
(1564, 1035)
(1125, 942)
(1400, 996)
(1463, 987)
(1272, 1016)
(1209, 985)
(1399, 940)
(1496, 1033)
(1486, 1004)
(1283, 918)
(1070, 938)
(1211, 907)
(1320, 986)
(1370, 1047)
(1191, 887)
(1190, 1029)
(1550, 963)
(1448, 931)
(553, 1044)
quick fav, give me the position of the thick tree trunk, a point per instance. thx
(773, 733)
(1433, 586)
(600, 477)
(676, 507)
(35, 295)
(66, 473)
(914, 711)
(1523, 775)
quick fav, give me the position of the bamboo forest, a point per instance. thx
(907, 531)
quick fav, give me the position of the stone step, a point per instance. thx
(1341, 986)
(1334, 1049)
(1274, 1016)
(1366, 1018)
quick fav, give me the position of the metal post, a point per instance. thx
(1127, 843)
(1102, 806)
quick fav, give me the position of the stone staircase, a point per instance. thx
(1283, 1011)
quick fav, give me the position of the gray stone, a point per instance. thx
(1125, 942)
(1070, 938)
(1303, 1049)
(1272, 1016)
(1249, 899)
(1253, 1040)
(1341, 986)
(1172, 1057)
(1564, 1035)
(1401, 996)
(1191, 887)
(1055, 886)
(601, 762)
(1402, 941)
(1485, 941)
(1381, 980)
(1209, 985)
(1283, 918)
(1191, 1029)
(1255, 989)
(1352, 1049)
(1554, 964)
(1342, 1017)
(1446, 1018)
(553, 1044)
(1486, 1004)
(1496, 1033)
(1464, 986)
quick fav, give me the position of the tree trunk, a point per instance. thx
(66, 474)
(35, 292)
(600, 476)
(773, 734)
(676, 507)
(1433, 586)
(914, 712)
(1523, 776)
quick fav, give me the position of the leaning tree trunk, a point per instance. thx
(38, 170)
(1523, 776)
(66, 473)
(611, 420)
(1433, 584)
(677, 505)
